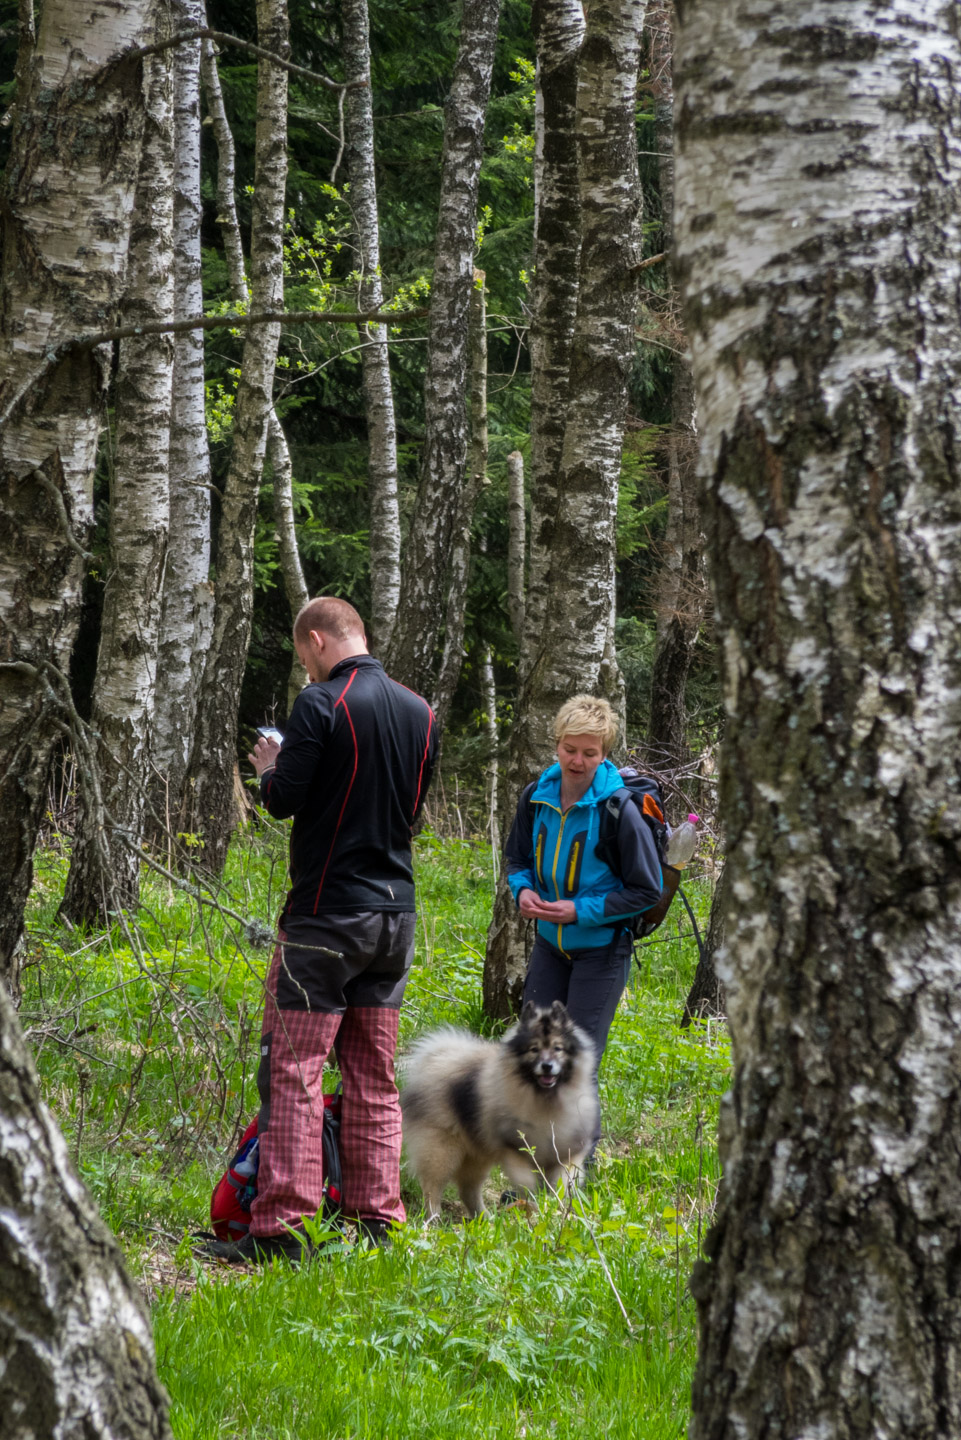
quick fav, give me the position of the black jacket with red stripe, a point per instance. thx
(353, 771)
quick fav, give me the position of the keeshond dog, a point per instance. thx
(525, 1102)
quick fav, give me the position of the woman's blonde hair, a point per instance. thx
(586, 715)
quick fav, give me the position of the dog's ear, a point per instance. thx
(559, 1011)
(528, 1012)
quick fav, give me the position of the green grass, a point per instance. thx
(566, 1321)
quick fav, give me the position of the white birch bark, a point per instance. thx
(818, 188)
(516, 544)
(558, 35)
(569, 619)
(226, 174)
(452, 658)
(278, 451)
(105, 866)
(214, 752)
(76, 1349)
(64, 224)
(681, 584)
(425, 566)
(187, 598)
(378, 395)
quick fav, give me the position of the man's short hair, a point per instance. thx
(586, 715)
(333, 616)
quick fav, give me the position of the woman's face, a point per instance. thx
(579, 757)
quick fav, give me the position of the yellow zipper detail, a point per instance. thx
(557, 893)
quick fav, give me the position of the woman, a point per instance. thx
(582, 951)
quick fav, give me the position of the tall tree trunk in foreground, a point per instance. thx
(475, 478)
(105, 863)
(680, 584)
(76, 1351)
(278, 452)
(214, 752)
(64, 223)
(425, 567)
(573, 650)
(187, 597)
(384, 504)
(819, 187)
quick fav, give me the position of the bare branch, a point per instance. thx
(201, 32)
(202, 322)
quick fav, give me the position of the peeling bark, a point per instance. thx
(425, 567)
(104, 871)
(384, 503)
(65, 216)
(569, 625)
(214, 751)
(187, 596)
(818, 186)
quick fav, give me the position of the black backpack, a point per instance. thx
(645, 793)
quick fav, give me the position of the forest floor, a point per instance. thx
(573, 1319)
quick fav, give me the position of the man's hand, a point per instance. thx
(557, 912)
(264, 755)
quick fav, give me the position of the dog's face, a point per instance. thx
(544, 1046)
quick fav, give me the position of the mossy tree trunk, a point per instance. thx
(819, 188)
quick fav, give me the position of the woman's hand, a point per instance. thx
(556, 912)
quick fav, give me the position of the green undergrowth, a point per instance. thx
(571, 1319)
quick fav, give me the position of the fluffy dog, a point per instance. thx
(470, 1104)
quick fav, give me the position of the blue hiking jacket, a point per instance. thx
(554, 855)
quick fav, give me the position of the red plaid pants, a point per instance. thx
(295, 1044)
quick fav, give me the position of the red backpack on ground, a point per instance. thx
(235, 1190)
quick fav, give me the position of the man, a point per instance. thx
(353, 771)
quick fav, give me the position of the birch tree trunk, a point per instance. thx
(819, 181)
(187, 596)
(214, 753)
(452, 659)
(278, 451)
(378, 396)
(516, 544)
(425, 568)
(680, 591)
(105, 864)
(67, 201)
(572, 650)
(76, 1349)
(558, 34)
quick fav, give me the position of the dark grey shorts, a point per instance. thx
(330, 962)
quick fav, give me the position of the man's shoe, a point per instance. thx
(373, 1234)
(292, 1246)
